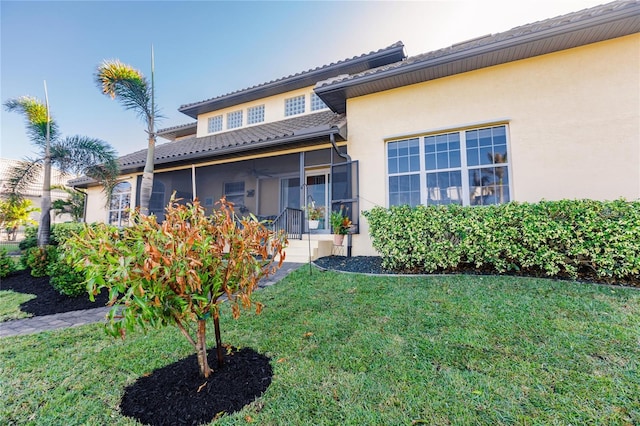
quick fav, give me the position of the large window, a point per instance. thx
(255, 114)
(215, 124)
(234, 119)
(119, 204)
(468, 167)
(293, 106)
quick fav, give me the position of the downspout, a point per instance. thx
(332, 138)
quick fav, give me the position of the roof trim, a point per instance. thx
(310, 134)
(381, 57)
(174, 132)
(456, 59)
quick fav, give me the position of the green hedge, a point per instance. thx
(584, 239)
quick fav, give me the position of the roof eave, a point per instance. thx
(335, 94)
(308, 134)
(298, 81)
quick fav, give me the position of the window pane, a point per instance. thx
(393, 165)
(404, 190)
(443, 160)
(293, 106)
(489, 185)
(215, 124)
(454, 158)
(317, 103)
(255, 114)
(444, 188)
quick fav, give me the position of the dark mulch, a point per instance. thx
(373, 265)
(177, 394)
(48, 301)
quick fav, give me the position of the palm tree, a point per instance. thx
(77, 154)
(131, 88)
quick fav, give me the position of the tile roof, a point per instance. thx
(389, 54)
(290, 130)
(514, 44)
(181, 130)
(34, 189)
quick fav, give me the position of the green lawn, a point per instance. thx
(10, 305)
(359, 350)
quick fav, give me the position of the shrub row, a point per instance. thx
(583, 239)
(7, 266)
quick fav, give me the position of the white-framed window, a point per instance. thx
(234, 119)
(215, 124)
(467, 167)
(119, 204)
(234, 192)
(317, 103)
(293, 106)
(255, 114)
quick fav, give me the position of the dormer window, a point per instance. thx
(317, 103)
(215, 124)
(255, 114)
(294, 106)
(234, 119)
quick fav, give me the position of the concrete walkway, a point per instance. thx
(89, 316)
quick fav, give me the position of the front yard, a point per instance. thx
(354, 349)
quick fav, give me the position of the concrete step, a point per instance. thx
(301, 250)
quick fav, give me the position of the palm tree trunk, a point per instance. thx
(44, 229)
(146, 186)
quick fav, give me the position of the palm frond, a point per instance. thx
(35, 113)
(22, 175)
(127, 85)
(94, 158)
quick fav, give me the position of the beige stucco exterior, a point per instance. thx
(573, 123)
(273, 110)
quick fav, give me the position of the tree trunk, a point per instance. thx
(44, 230)
(216, 324)
(201, 349)
(146, 186)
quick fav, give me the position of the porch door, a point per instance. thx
(317, 193)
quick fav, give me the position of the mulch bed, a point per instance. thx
(178, 395)
(48, 301)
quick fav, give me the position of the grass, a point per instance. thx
(352, 349)
(10, 305)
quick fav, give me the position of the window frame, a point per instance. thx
(465, 169)
(235, 119)
(295, 105)
(236, 193)
(210, 122)
(122, 191)
(317, 104)
(255, 111)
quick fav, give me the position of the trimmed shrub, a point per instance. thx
(30, 238)
(7, 266)
(588, 239)
(61, 232)
(64, 278)
(37, 258)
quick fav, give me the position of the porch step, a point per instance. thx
(317, 246)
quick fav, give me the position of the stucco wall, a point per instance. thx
(573, 120)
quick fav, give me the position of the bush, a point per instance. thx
(61, 232)
(64, 278)
(7, 266)
(30, 238)
(569, 238)
(37, 258)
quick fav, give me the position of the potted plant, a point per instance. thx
(340, 225)
(314, 214)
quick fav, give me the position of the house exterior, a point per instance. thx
(549, 110)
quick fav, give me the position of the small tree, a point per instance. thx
(177, 272)
(73, 204)
(15, 212)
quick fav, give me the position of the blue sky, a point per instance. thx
(207, 48)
